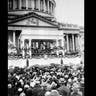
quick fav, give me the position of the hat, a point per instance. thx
(55, 93)
(32, 84)
(20, 80)
(75, 79)
(66, 76)
(22, 94)
(49, 76)
(53, 76)
(53, 84)
(37, 82)
(69, 80)
(83, 79)
(75, 85)
(61, 79)
(48, 87)
(73, 74)
(20, 89)
(48, 93)
(9, 86)
(26, 86)
(17, 77)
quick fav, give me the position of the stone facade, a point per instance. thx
(32, 26)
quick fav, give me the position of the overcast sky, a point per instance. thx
(70, 11)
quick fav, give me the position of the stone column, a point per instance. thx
(30, 48)
(32, 2)
(8, 5)
(67, 42)
(62, 43)
(48, 6)
(77, 42)
(57, 43)
(33, 44)
(44, 5)
(51, 8)
(26, 4)
(14, 38)
(39, 5)
(36, 4)
(78, 38)
(73, 42)
(76, 46)
(18, 43)
(14, 5)
(23, 44)
(23, 51)
(20, 4)
(37, 44)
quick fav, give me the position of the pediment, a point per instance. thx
(33, 21)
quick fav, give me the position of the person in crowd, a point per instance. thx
(40, 81)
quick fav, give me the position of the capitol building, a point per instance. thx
(34, 31)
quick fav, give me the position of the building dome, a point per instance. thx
(45, 7)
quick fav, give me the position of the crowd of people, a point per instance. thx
(53, 80)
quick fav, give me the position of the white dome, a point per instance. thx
(40, 6)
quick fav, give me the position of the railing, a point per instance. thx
(54, 52)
